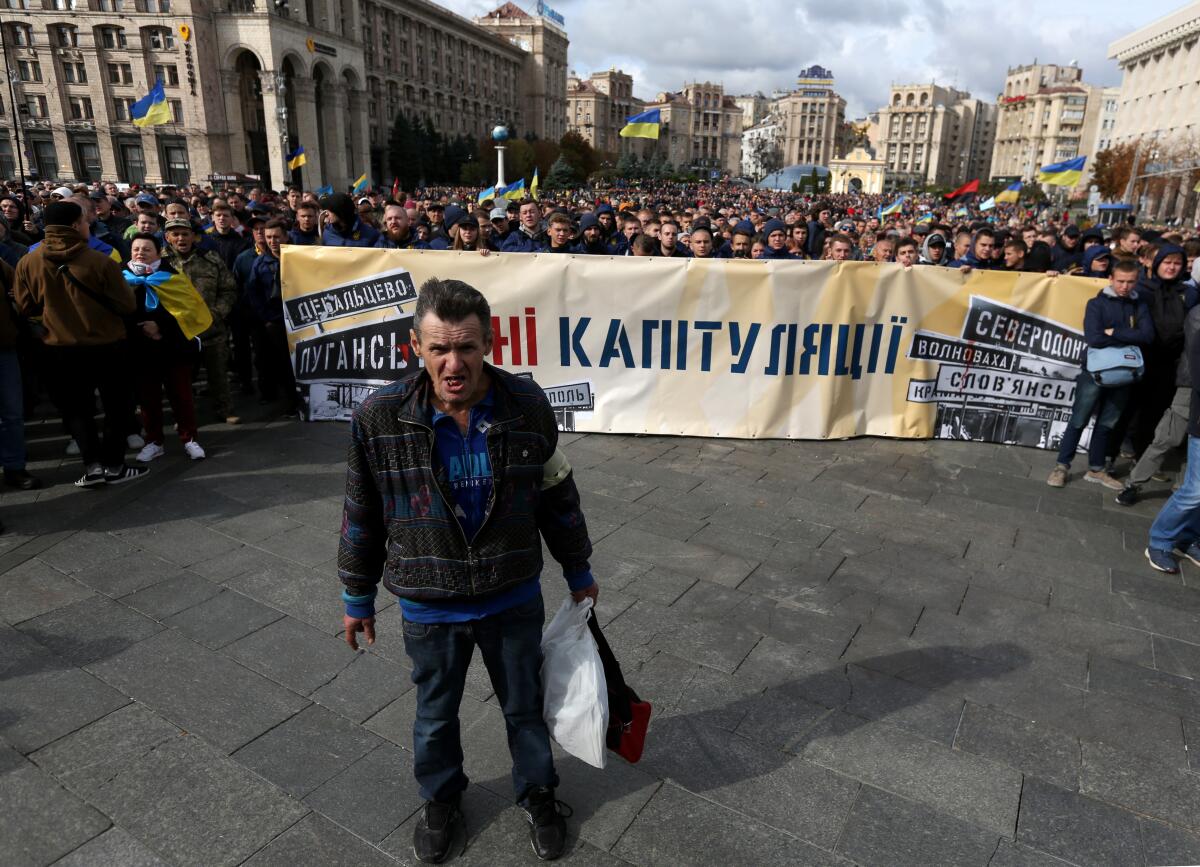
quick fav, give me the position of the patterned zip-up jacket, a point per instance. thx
(398, 524)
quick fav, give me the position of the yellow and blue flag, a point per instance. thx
(179, 297)
(644, 125)
(515, 190)
(296, 158)
(151, 109)
(894, 208)
(533, 185)
(489, 193)
(1010, 194)
(925, 218)
(361, 184)
(326, 190)
(1064, 174)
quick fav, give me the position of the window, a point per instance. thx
(112, 5)
(36, 106)
(122, 108)
(81, 108)
(161, 39)
(30, 70)
(113, 37)
(74, 73)
(62, 5)
(21, 34)
(168, 73)
(66, 36)
(133, 163)
(16, 4)
(120, 73)
(176, 110)
(178, 168)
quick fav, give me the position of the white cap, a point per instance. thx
(499, 214)
(65, 192)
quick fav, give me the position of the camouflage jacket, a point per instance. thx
(212, 280)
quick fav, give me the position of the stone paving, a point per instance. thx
(861, 652)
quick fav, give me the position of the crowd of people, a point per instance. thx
(108, 284)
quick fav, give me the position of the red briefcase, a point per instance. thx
(628, 715)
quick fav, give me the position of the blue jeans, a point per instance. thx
(12, 413)
(510, 643)
(1178, 523)
(1107, 404)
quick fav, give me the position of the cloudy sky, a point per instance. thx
(869, 44)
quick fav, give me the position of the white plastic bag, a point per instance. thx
(576, 697)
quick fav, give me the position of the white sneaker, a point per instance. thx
(73, 448)
(194, 451)
(134, 441)
(150, 452)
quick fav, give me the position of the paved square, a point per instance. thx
(866, 652)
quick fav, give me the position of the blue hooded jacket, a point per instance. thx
(1128, 317)
(1091, 255)
(361, 235)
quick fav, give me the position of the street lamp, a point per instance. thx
(281, 116)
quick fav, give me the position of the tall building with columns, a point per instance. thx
(249, 80)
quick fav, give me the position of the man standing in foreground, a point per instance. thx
(425, 512)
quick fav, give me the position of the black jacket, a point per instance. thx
(1166, 306)
(397, 521)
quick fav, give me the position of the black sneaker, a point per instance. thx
(548, 831)
(1128, 497)
(434, 834)
(93, 478)
(124, 473)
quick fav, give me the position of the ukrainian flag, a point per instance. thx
(326, 190)
(533, 185)
(894, 208)
(489, 193)
(927, 218)
(644, 125)
(1011, 194)
(178, 297)
(515, 190)
(1064, 174)
(151, 109)
(296, 158)
(360, 184)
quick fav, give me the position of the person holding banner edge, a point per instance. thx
(425, 514)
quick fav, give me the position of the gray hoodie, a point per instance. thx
(925, 258)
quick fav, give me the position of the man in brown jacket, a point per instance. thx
(84, 302)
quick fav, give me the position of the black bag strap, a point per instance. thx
(65, 270)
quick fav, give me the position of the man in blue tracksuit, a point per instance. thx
(1117, 316)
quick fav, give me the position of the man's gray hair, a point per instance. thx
(452, 301)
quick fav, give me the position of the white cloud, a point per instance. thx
(869, 44)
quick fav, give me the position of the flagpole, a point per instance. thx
(12, 102)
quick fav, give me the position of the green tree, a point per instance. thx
(629, 166)
(581, 156)
(405, 157)
(562, 175)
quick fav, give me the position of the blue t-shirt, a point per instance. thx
(469, 471)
